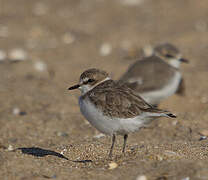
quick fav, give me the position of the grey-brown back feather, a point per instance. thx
(153, 72)
(117, 100)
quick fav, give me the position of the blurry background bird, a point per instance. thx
(156, 76)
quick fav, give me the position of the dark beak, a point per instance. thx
(74, 87)
(184, 60)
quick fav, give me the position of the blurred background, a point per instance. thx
(46, 44)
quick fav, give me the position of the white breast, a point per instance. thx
(108, 125)
(154, 97)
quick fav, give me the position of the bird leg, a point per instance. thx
(113, 142)
(124, 145)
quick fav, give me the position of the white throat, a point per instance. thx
(86, 87)
(175, 62)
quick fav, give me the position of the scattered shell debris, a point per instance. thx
(17, 54)
(10, 148)
(202, 138)
(170, 153)
(159, 158)
(62, 134)
(3, 55)
(99, 136)
(105, 49)
(63, 151)
(141, 177)
(40, 66)
(16, 111)
(112, 165)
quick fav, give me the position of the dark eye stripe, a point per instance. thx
(88, 81)
(91, 80)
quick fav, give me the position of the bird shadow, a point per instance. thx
(39, 152)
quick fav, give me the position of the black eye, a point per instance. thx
(90, 80)
(169, 56)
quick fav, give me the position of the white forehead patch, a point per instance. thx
(84, 80)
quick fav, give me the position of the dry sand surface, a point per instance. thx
(45, 45)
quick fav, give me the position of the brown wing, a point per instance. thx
(153, 73)
(117, 100)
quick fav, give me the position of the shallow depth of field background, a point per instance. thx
(45, 45)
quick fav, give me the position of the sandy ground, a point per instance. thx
(42, 133)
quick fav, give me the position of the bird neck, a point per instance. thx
(86, 88)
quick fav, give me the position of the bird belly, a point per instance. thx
(154, 97)
(109, 125)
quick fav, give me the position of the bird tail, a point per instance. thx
(161, 113)
(171, 115)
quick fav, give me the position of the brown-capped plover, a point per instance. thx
(158, 76)
(113, 108)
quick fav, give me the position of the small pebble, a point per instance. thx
(16, 111)
(159, 158)
(40, 66)
(170, 153)
(99, 136)
(3, 56)
(64, 150)
(105, 49)
(202, 138)
(63, 134)
(141, 177)
(10, 148)
(17, 55)
(68, 38)
(112, 165)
